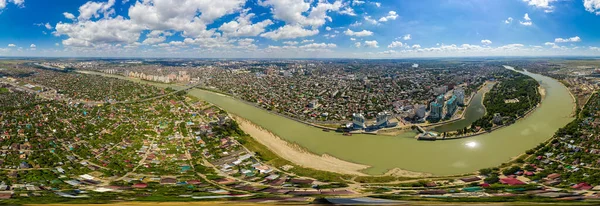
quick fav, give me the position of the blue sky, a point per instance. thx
(299, 28)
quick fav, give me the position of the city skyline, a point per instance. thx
(299, 29)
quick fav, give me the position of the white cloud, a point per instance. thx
(572, 39)
(543, 4)
(355, 24)
(352, 39)
(289, 32)
(486, 42)
(395, 44)
(510, 46)
(372, 44)
(406, 37)
(69, 15)
(377, 4)
(357, 44)
(318, 46)
(370, 20)
(348, 11)
(104, 31)
(328, 28)
(19, 3)
(292, 11)
(357, 2)
(247, 43)
(362, 33)
(46, 25)
(243, 26)
(549, 44)
(592, 6)
(12, 45)
(97, 26)
(32, 46)
(416, 46)
(307, 41)
(182, 16)
(156, 37)
(94, 9)
(508, 21)
(540, 3)
(527, 21)
(391, 16)
(291, 43)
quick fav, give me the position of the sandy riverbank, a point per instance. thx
(297, 154)
(300, 156)
(542, 91)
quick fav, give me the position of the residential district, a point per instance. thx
(72, 136)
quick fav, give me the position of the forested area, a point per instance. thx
(511, 98)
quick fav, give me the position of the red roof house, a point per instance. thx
(140, 185)
(511, 181)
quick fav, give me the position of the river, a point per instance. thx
(448, 157)
(473, 112)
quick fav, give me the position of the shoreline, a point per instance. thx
(541, 91)
(394, 131)
(302, 157)
(297, 154)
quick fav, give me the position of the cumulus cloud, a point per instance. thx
(395, 44)
(12, 45)
(69, 16)
(291, 43)
(183, 16)
(391, 16)
(406, 37)
(292, 12)
(416, 46)
(247, 43)
(19, 3)
(318, 46)
(372, 44)
(32, 46)
(357, 44)
(357, 2)
(592, 6)
(486, 42)
(527, 21)
(243, 26)
(97, 24)
(289, 32)
(104, 31)
(508, 21)
(362, 33)
(94, 9)
(543, 4)
(156, 37)
(572, 39)
(46, 25)
(370, 20)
